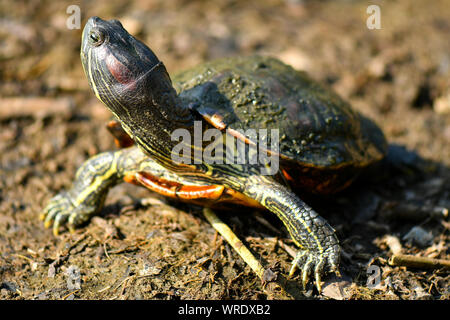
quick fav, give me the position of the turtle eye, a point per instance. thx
(96, 37)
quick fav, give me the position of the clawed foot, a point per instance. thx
(61, 211)
(317, 262)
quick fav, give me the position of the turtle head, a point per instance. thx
(126, 75)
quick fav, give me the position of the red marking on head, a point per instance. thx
(119, 71)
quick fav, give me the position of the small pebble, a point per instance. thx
(419, 236)
(442, 104)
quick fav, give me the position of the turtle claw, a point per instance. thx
(56, 205)
(59, 220)
(61, 211)
(316, 263)
(306, 270)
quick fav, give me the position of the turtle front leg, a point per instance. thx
(319, 246)
(92, 182)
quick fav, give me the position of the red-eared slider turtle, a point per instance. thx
(323, 143)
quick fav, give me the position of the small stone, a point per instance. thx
(336, 288)
(51, 270)
(419, 236)
(150, 269)
(269, 275)
(153, 234)
(442, 104)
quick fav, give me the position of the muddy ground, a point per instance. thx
(50, 122)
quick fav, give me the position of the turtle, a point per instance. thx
(319, 143)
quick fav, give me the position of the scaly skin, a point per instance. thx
(319, 246)
(134, 84)
(92, 182)
(318, 243)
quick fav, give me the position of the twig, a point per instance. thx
(418, 262)
(413, 212)
(234, 241)
(393, 244)
(291, 251)
(35, 107)
(104, 289)
(264, 222)
(23, 257)
(69, 294)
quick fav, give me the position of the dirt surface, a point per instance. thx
(50, 123)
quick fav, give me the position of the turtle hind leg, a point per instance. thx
(319, 246)
(92, 182)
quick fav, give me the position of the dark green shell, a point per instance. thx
(317, 128)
